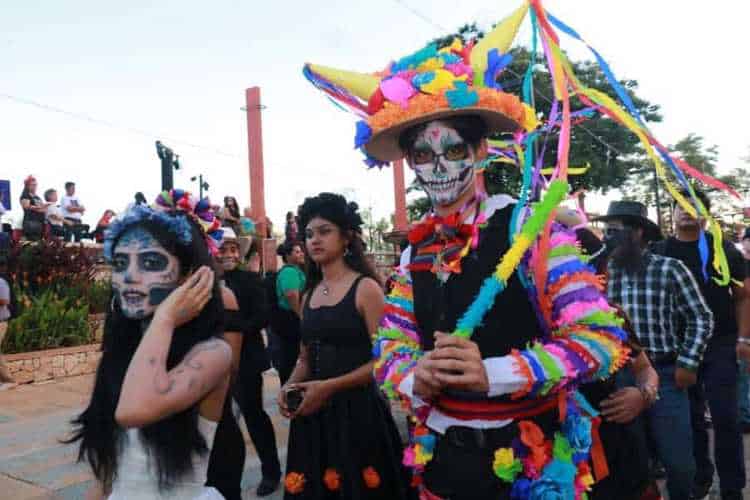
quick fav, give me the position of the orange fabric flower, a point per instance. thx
(533, 437)
(332, 479)
(371, 477)
(294, 483)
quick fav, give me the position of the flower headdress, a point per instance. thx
(164, 212)
(430, 84)
(197, 209)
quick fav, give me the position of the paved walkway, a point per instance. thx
(34, 465)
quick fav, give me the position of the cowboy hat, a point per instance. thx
(633, 213)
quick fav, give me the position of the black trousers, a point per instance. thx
(248, 392)
(227, 461)
(717, 387)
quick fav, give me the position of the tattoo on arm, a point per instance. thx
(164, 384)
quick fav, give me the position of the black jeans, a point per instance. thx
(717, 386)
(248, 392)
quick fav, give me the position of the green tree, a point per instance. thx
(374, 230)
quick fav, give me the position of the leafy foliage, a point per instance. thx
(56, 290)
(47, 321)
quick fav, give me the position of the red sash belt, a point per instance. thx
(488, 409)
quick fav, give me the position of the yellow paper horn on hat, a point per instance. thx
(500, 38)
(361, 85)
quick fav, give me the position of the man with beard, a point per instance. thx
(248, 388)
(717, 376)
(673, 324)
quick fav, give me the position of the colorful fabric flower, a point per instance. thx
(521, 489)
(397, 90)
(506, 465)
(371, 477)
(332, 479)
(540, 451)
(364, 133)
(443, 80)
(578, 431)
(496, 63)
(461, 96)
(294, 482)
(584, 478)
(556, 482)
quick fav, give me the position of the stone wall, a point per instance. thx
(39, 366)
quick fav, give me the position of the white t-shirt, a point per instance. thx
(67, 203)
(55, 215)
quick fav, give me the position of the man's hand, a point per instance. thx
(426, 385)
(458, 363)
(684, 378)
(743, 354)
(624, 405)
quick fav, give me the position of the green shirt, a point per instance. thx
(289, 279)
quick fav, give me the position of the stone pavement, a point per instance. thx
(34, 465)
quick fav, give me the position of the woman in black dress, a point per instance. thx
(343, 442)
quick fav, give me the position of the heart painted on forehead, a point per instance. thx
(435, 133)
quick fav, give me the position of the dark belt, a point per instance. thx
(664, 359)
(469, 437)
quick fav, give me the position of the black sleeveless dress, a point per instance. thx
(350, 449)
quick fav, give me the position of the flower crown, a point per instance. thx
(165, 211)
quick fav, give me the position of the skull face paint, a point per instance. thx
(443, 162)
(143, 273)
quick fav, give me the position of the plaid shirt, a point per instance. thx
(665, 305)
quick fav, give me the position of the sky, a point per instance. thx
(139, 71)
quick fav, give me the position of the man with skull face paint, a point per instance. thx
(486, 409)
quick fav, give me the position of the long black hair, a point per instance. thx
(170, 442)
(234, 209)
(345, 215)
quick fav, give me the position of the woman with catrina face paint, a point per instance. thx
(162, 381)
(342, 440)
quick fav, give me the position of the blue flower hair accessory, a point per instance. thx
(178, 226)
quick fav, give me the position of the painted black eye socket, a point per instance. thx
(120, 263)
(153, 261)
(457, 152)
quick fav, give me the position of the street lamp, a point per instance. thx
(169, 161)
(202, 185)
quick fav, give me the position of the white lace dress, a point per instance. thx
(136, 477)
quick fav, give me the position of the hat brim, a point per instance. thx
(383, 145)
(651, 230)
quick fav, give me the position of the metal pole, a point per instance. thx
(200, 186)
